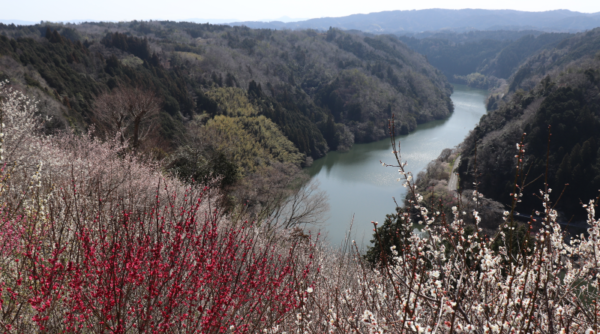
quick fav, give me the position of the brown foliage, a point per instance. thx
(128, 112)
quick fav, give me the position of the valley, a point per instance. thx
(163, 176)
(360, 190)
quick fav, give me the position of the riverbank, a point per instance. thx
(360, 190)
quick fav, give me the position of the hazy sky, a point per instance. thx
(244, 10)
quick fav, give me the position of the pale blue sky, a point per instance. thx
(245, 10)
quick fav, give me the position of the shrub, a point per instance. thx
(101, 242)
(452, 278)
(96, 240)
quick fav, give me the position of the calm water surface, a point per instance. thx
(356, 183)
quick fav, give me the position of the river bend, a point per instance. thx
(358, 186)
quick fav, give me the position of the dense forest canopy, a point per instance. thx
(238, 104)
(553, 91)
(300, 78)
(480, 58)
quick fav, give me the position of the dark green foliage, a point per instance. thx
(518, 78)
(567, 105)
(204, 167)
(492, 102)
(456, 58)
(53, 61)
(499, 56)
(569, 50)
(133, 45)
(30, 81)
(574, 121)
(289, 113)
(513, 54)
(330, 98)
(329, 133)
(393, 232)
(71, 34)
(20, 30)
(50, 60)
(349, 44)
(518, 241)
(230, 81)
(206, 104)
(354, 113)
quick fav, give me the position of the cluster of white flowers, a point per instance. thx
(446, 280)
(443, 280)
(50, 181)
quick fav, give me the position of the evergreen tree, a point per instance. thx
(329, 133)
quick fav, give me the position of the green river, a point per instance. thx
(358, 186)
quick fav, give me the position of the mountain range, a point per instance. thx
(415, 21)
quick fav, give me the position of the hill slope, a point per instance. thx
(245, 105)
(559, 88)
(494, 54)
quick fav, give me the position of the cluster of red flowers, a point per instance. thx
(161, 271)
(94, 240)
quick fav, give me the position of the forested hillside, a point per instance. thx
(480, 58)
(242, 105)
(570, 52)
(554, 91)
(302, 78)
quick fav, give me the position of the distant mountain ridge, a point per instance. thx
(414, 21)
(18, 22)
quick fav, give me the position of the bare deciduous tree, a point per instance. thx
(282, 196)
(128, 111)
(308, 205)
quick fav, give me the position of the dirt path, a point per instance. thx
(453, 182)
